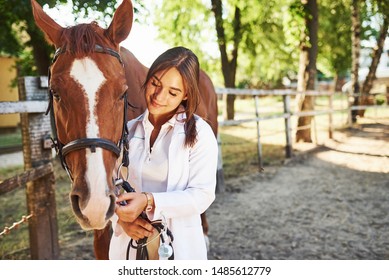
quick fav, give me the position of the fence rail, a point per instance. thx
(23, 107)
(20, 180)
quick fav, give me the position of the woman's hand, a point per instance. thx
(136, 203)
(138, 229)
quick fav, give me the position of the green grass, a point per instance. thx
(240, 151)
(15, 245)
(8, 172)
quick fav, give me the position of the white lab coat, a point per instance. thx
(190, 188)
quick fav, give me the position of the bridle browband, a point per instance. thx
(88, 143)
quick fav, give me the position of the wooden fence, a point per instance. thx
(288, 113)
(38, 178)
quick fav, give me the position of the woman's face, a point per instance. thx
(164, 93)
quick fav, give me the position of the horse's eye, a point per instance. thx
(55, 94)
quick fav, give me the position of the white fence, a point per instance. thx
(288, 113)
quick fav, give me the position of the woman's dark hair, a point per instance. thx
(187, 64)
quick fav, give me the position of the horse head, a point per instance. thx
(87, 83)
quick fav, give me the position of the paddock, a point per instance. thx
(286, 223)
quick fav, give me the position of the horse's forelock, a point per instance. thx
(80, 40)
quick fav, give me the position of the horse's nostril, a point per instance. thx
(111, 209)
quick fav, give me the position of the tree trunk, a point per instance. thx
(42, 60)
(336, 82)
(307, 69)
(368, 83)
(41, 49)
(228, 66)
(355, 52)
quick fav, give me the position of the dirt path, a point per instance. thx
(332, 203)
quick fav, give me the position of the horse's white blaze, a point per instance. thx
(88, 75)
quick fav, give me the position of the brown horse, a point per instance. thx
(92, 80)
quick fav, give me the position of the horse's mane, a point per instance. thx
(80, 40)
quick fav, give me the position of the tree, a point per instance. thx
(381, 9)
(307, 65)
(369, 12)
(229, 62)
(16, 20)
(356, 46)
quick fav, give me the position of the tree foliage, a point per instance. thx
(268, 34)
(262, 55)
(20, 37)
(189, 23)
(334, 38)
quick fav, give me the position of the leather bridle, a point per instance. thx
(88, 143)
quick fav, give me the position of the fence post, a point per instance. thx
(40, 193)
(220, 185)
(330, 120)
(387, 95)
(258, 134)
(350, 100)
(288, 126)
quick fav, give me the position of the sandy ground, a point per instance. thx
(331, 203)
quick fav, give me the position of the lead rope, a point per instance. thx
(165, 250)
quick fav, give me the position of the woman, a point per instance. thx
(173, 161)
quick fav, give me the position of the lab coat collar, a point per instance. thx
(180, 117)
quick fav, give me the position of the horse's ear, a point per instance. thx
(50, 28)
(121, 24)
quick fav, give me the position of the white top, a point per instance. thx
(188, 190)
(155, 166)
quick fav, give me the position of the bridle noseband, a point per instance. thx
(88, 143)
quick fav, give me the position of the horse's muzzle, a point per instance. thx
(92, 211)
